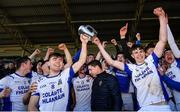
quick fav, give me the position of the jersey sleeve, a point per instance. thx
(128, 68)
(171, 83)
(68, 72)
(5, 82)
(153, 58)
(178, 62)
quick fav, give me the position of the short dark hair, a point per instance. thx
(148, 46)
(56, 55)
(120, 52)
(95, 63)
(21, 60)
(135, 47)
(90, 54)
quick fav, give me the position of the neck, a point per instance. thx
(53, 73)
(81, 75)
(21, 73)
(140, 63)
(100, 71)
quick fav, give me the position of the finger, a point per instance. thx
(126, 25)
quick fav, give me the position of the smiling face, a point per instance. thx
(139, 55)
(56, 63)
(169, 57)
(120, 57)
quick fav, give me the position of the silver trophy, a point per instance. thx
(88, 30)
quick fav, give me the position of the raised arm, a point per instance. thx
(123, 43)
(99, 56)
(76, 66)
(172, 43)
(114, 42)
(49, 51)
(159, 48)
(36, 52)
(106, 56)
(67, 54)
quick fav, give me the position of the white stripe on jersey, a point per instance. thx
(19, 86)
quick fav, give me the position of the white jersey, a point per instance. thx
(54, 91)
(19, 86)
(35, 77)
(146, 80)
(174, 73)
(82, 88)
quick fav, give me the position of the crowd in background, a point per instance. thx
(137, 78)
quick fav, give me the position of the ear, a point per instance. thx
(48, 64)
(132, 55)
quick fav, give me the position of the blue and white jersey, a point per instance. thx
(35, 77)
(19, 86)
(54, 91)
(82, 88)
(124, 81)
(146, 80)
(173, 72)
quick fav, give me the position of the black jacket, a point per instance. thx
(106, 94)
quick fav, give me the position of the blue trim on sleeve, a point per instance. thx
(71, 72)
(156, 59)
(178, 62)
(36, 94)
(76, 56)
(171, 83)
(166, 96)
(127, 70)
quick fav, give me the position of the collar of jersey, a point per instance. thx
(140, 64)
(82, 77)
(47, 76)
(18, 75)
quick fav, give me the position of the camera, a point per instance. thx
(88, 30)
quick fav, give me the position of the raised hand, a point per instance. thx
(104, 44)
(114, 42)
(138, 36)
(123, 31)
(84, 38)
(96, 41)
(37, 51)
(159, 12)
(50, 50)
(33, 87)
(62, 46)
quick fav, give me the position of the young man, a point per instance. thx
(19, 85)
(82, 85)
(106, 95)
(144, 73)
(53, 92)
(173, 73)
